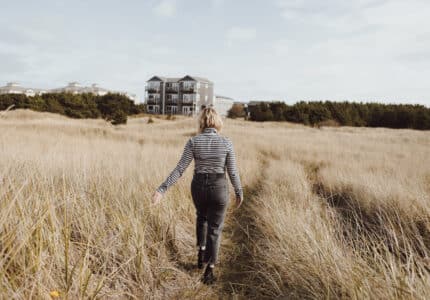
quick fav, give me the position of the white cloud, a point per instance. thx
(360, 50)
(241, 34)
(292, 49)
(166, 8)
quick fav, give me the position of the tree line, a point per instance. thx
(112, 107)
(317, 113)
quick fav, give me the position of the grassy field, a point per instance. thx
(328, 213)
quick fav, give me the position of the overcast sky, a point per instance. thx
(362, 50)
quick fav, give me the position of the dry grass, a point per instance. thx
(329, 213)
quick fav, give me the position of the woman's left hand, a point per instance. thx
(156, 198)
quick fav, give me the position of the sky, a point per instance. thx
(288, 50)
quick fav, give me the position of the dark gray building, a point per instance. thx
(186, 95)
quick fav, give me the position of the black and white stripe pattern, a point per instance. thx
(212, 153)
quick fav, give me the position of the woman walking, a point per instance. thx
(213, 155)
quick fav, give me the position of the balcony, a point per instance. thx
(172, 88)
(171, 109)
(153, 109)
(187, 101)
(172, 101)
(188, 88)
(152, 100)
(152, 89)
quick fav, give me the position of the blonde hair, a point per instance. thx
(209, 118)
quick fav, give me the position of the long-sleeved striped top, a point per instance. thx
(212, 153)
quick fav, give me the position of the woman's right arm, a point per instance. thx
(185, 160)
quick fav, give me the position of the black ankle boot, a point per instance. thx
(201, 258)
(208, 276)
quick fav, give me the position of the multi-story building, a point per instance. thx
(72, 87)
(16, 88)
(186, 95)
(95, 89)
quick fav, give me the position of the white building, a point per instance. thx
(222, 104)
(72, 87)
(16, 88)
(95, 89)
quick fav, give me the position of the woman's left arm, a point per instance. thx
(184, 162)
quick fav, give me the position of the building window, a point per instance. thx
(172, 98)
(207, 85)
(172, 86)
(185, 110)
(153, 85)
(188, 98)
(188, 84)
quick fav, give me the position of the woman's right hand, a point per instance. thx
(239, 201)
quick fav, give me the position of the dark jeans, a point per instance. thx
(210, 196)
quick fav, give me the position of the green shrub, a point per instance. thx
(344, 114)
(236, 111)
(118, 117)
(111, 107)
(261, 112)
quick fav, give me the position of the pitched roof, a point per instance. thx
(13, 86)
(76, 87)
(157, 78)
(195, 78)
(176, 79)
(172, 79)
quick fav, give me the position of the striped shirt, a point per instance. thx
(212, 153)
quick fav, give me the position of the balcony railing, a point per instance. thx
(154, 109)
(172, 88)
(171, 109)
(188, 88)
(153, 100)
(172, 101)
(152, 89)
(188, 100)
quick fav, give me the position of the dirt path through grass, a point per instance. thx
(237, 264)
